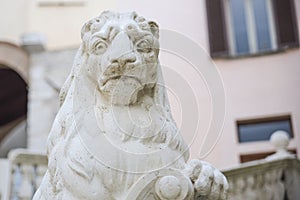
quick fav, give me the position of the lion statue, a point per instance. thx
(114, 124)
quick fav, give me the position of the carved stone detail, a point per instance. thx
(165, 184)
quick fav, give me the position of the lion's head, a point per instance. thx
(122, 55)
(119, 59)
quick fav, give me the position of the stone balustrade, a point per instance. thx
(27, 170)
(277, 177)
(268, 180)
(262, 179)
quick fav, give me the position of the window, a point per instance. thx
(252, 26)
(61, 3)
(262, 129)
(247, 27)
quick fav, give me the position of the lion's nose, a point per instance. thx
(124, 59)
(122, 50)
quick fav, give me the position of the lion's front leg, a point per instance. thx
(208, 181)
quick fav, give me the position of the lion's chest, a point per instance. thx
(83, 166)
(114, 143)
(131, 123)
(129, 139)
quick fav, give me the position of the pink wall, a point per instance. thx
(258, 87)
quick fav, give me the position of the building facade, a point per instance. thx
(254, 46)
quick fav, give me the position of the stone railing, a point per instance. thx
(267, 180)
(277, 177)
(26, 172)
(262, 179)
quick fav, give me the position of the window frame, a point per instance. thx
(220, 35)
(61, 3)
(262, 120)
(257, 156)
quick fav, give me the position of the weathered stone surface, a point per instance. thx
(114, 128)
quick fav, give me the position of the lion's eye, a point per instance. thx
(100, 47)
(144, 46)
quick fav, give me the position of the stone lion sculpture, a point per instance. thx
(114, 126)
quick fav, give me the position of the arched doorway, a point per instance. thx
(13, 96)
(14, 63)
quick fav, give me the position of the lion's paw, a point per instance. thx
(209, 182)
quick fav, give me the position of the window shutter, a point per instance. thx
(286, 24)
(216, 28)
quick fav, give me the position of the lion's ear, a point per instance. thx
(86, 28)
(154, 28)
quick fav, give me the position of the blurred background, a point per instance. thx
(253, 43)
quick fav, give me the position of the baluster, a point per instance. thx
(40, 172)
(267, 188)
(250, 193)
(277, 185)
(16, 181)
(232, 189)
(26, 189)
(239, 188)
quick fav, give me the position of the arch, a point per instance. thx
(14, 57)
(14, 67)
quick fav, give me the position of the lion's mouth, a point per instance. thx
(118, 78)
(113, 78)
